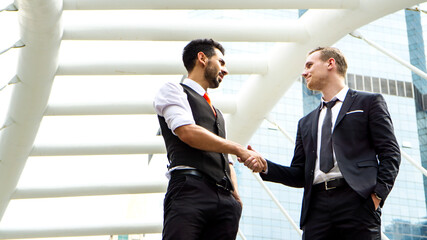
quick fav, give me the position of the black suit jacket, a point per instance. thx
(365, 147)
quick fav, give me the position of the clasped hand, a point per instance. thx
(253, 160)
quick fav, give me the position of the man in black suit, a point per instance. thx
(346, 156)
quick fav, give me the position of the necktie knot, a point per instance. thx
(207, 98)
(330, 104)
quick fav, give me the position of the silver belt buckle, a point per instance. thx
(326, 184)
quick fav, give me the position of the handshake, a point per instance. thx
(252, 160)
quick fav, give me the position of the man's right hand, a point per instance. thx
(253, 160)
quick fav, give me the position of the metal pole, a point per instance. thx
(391, 55)
(291, 221)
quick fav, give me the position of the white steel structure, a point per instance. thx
(43, 30)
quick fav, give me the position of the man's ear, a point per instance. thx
(201, 57)
(331, 63)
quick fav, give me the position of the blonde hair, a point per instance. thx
(331, 52)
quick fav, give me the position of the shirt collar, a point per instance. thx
(195, 86)
(340, 96)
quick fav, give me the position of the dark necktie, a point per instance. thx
(326, 158)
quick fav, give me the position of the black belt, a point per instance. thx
(330, 184)
(224, 184)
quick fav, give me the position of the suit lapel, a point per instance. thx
(348, 101)
(311, 157)
(314, 125)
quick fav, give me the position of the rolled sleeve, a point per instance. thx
(171, 103)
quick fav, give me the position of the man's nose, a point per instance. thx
(224, 71)
(304, 73)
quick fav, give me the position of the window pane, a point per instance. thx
(350, 81)
(408, 88)
(359, 82)
(384, 86)
(400, 89)
(368, 86)
(424, 101)
(392, 87)
(376, 84)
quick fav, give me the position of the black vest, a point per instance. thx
(215, 165)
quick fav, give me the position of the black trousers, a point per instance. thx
(342, 214)
(197, 209)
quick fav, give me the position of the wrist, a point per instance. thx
(377, 197)
(239, 150)
(264, 169)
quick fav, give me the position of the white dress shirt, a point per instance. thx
(335, 172)
(171, 103)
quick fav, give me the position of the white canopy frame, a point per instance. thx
(42, 32)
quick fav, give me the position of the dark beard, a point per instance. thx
(212, 76)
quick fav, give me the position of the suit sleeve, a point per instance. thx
(386, 146)
(292, 176)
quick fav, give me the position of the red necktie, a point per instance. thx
(209, 102)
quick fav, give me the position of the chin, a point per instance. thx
(218, 82)
(312, 87)
(214, 84)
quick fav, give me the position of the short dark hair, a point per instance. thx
(335, 53)
(207, 46)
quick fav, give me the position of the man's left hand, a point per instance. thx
(237, 197)
(375, 200)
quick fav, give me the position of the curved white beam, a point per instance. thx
(225, 103)
(194, 4)
(126, 28)
(41, 32)
(90, 190)
(244, 64)
(287, 60)
(149, 145)
(123, 227)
